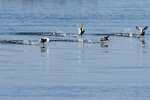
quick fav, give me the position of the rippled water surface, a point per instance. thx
(68, 69)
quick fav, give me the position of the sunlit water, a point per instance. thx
(64, 70)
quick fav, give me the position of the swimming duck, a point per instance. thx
(81, 30)
(105, 38)
(44, 40)
(141, 30)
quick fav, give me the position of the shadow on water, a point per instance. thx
(80, 53)
(104, 44)
(105, 47)
(44, 51)
(142, 42)
(81, 44)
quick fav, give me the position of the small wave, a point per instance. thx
(34, 42)
(61, 38)
(40, 33)
(19, 42)
(75, 40)
(114, 34)
(57, 34)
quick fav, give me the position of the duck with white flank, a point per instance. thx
(44, 41)
(141, 30)
(105, 38)
(81, 30)
(104, 41)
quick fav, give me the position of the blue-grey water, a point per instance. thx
(71, 70)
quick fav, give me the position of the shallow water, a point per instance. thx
(69, 70)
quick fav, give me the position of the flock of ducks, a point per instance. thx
(81, 31)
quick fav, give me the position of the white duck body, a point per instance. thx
(44, 41)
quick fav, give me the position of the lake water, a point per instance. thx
(70, 70)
